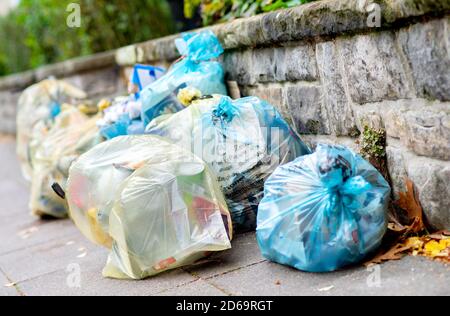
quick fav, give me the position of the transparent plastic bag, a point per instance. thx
(37, 108)
(156, 205)
(72, 134)
(243, 141)
(122, 118)
(195, 70)
(323, 211)
(122, 115)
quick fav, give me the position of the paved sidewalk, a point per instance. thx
(37, 258)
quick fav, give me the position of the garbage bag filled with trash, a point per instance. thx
(72, 134)
(122, 115)
(37, 109)
(323, 211)
(154, 204)
(243, 141)
(197, 69)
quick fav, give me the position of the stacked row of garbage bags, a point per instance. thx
(167, 175)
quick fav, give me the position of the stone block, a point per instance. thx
(305, 104)
(427, 47)
(274, 94)
(337, 107)
(430, 176)
(373, 68)
(299, 63)
(423, 126)
(99, 83)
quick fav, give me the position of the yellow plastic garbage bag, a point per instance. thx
(38, 106)
(72, 134)
(156, 205)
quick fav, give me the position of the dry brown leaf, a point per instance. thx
(397, 227)
(395, 253)
(409, 202)
(439, 235)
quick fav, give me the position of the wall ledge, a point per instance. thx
(66, 68)
(322, 19)
(326, 18)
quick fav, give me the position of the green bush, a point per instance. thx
(14, 55)
(36, 32)
(216, 11)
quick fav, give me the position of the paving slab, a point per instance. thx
(39, 255)
(10, 169)
(19, 228)
(54, 263)
(14, 190)
(92, 283)
(196, 288)
(410, 276)
(244, 252)
(5, 287)
(49, 257)
(18, 233)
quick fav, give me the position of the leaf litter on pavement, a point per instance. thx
(412, 238)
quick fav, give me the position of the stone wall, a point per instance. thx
(330, 71)
(97, 75)
(396, 78)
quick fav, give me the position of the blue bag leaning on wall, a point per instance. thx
(195, 70)
(323, 211)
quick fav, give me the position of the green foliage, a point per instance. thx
(14, 56)
(38, 33)
(373, 143)
(215, 11)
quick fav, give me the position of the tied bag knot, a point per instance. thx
(198, 47)
(225, 110)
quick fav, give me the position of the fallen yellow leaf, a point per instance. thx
(414, 242)
(434, 248)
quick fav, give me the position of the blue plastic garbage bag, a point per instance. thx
(118, 128)
(123, 126)
(242, 140)
(143, 75)
(196, 70)
(323, 211)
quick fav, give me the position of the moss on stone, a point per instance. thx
(373, 143)
(373, 148)
(354, 132)
(313, 127)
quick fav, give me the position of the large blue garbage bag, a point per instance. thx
(243, 141)
(195, 70)
(323, 211)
